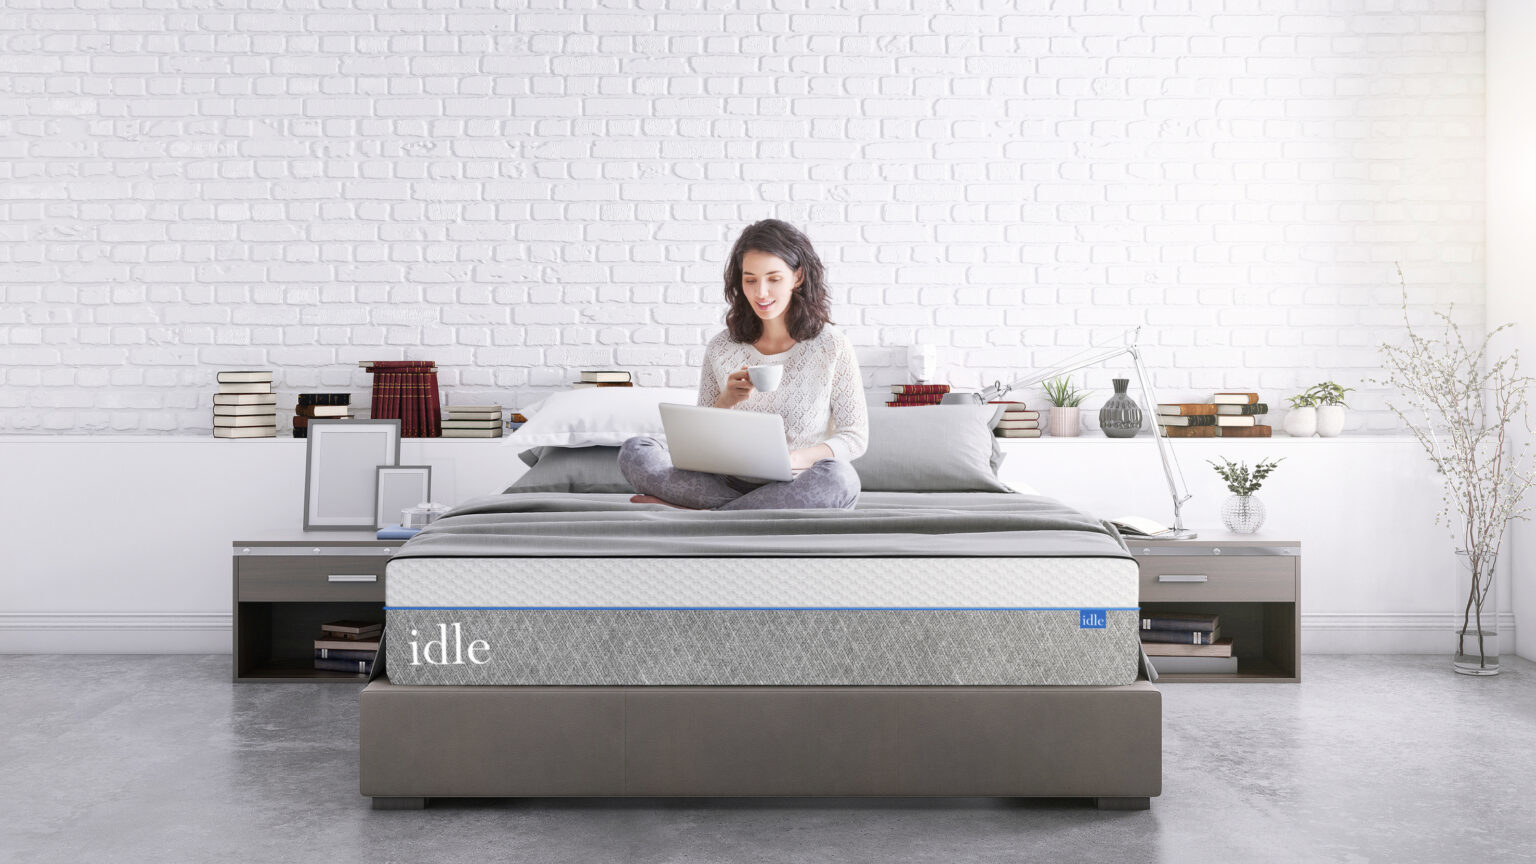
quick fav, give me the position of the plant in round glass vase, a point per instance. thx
(1242, 512)
(1066, 406)
(1328, 398)
(1301, 420)
(1459, 402)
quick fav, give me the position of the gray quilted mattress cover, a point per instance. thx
(526, 643)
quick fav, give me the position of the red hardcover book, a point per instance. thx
(401, 364)
(410, 403)
(434, 407)
(918, 399)
(919, 389)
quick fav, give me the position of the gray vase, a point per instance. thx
(1120, 417)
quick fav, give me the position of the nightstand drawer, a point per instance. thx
(1212, 578)
(299, 578)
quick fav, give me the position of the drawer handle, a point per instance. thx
(1181, 577)
(352, 577)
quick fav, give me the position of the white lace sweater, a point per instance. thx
(821, 397)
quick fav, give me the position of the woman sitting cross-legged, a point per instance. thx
(779, 313)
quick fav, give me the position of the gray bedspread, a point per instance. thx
(883, 524)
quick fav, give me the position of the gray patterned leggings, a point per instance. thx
(829, 484)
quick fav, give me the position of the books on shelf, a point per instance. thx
(1017, 424)
(246, 431)
(1186, 431)
(324, 412)
(1187, 420)
(1255, 431)
(449, 432)
(919, 389)
(245, 376)
(1185, 409)
(1179, 621)
(1221, 648)
(605, 376)
(226, 399)
(406, 390)
(348, 646)
(1016, 433)
(1235, 399)
(1195, 665)
(1253, 408)
(361, 667)
(907, 400)
(1228, 420)
(1182, 637)
(325, 399)
(582, 385)
(244, 406)
(472, 421)
(352, 627)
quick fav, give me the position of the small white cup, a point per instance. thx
(766, 378)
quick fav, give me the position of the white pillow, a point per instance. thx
(597, 416)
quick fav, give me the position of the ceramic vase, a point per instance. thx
(1120, 417)
(1065, 422)
(1301, 422)
(1330, 421)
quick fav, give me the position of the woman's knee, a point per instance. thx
(840, 481)
(636, 455)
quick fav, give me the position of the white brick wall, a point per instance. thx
(518, 194)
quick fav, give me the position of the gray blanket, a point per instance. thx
(536, 525)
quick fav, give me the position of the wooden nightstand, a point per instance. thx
(284, 589)
(1253, 583)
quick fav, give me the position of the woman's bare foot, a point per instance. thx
(652, 499)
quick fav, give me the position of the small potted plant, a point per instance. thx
(1301, 420)
(1243, 513)
(1328, 398)
(1066, 407)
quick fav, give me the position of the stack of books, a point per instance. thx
(472, 421)
(348, 646)
(1227, 415)
(1240, 415)
(320, 406)
(604, 378)
(906, 395)
(245, 406)
(1017, 422)
(1181, 644)
(406, 390)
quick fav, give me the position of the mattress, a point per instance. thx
(1031, 594)
(710, 621)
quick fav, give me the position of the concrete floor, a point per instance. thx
(162, 759)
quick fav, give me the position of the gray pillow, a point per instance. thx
(571, 469)
(932, 448)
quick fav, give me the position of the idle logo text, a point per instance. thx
(1092, 619)
(448, 649)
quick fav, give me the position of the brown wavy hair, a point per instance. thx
(809, 310)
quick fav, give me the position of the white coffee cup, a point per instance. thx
(766, 378)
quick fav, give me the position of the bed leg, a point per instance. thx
(1112, 803)
(382, 803)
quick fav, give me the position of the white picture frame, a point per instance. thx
(399, 487)
(341, 459)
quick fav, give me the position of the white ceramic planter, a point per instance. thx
(1330, 421)
(1065, 422)
(1301, 422)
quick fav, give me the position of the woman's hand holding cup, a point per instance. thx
(738, 386)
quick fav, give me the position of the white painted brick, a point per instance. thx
(521, 192)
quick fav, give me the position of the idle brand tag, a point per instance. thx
(1092, 619)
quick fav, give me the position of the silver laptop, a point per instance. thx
(747, 444)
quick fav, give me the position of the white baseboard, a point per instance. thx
(1389, 632)
(209, 632)
(115, 632)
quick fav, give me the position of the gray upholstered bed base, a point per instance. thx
(1057, 742)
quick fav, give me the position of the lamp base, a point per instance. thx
(1178, 534)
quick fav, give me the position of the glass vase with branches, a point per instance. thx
(1458, 401)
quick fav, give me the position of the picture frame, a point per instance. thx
(341, 458)
(399, 487)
